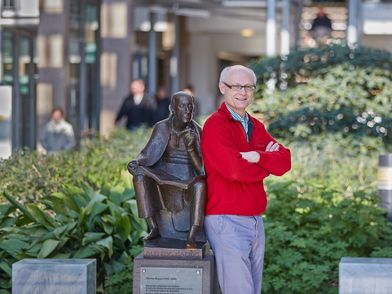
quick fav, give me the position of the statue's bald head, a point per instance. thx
(182, 105)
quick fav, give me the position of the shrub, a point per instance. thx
(332, 89)
(324, 209)
(71, 205)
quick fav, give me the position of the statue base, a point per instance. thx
(175, 274)
(173, 248)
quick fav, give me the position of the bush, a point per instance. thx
(28, 175)
(324, 209)
(72, 205)
(332, 89)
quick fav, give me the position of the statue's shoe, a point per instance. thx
(152, 235)
(191, 245)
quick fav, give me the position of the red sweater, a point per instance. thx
(235, 186)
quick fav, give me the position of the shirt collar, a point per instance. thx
(236, 116)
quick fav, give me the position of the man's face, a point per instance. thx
(183, 108)
(237, 99)
(57, 116)
(137, 88)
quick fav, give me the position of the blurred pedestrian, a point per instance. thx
(321, 26)
(163, 102)
(138, 107)
(57, 135)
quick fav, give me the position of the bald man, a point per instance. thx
(238, 154)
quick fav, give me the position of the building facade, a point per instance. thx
(82, 55)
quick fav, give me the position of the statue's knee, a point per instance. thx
(200, 185)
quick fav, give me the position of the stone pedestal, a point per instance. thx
(54, 276)
(365, 275)
(174, 269)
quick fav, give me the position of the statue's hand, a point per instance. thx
(190, 139)
(133, 167)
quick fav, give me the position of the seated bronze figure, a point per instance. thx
(168, 176)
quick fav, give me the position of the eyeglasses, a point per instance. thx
(237, 88)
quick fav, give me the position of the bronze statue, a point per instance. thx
(168, 176)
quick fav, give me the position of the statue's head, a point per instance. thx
(182, 106)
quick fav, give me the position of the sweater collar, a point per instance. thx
(226, 113)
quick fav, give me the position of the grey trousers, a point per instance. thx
(238, 245)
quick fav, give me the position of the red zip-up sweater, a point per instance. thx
(235, 186)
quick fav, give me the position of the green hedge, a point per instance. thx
(324, 209)
(329, 89)
(72, 205)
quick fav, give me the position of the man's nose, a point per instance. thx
(242, 90)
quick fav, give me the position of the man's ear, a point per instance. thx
(222, 88)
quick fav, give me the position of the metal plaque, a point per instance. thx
(169, 280)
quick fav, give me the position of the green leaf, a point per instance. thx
(108, 228)
(41, 216)
(95, 209)
(108, 244)
(123, 227)
(13, 246)
(5, 209)
(92, 237)
(10, 222)
(6, 268)
(18, 205)
(47, 248)
(89, 251)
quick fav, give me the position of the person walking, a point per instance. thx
(138, 108)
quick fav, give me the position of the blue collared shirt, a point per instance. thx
(243, 120)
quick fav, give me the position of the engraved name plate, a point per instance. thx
(158, 280)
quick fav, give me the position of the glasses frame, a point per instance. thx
(238, 88)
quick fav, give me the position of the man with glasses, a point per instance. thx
(238, 153)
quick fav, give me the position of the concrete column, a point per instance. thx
(271, 28)
(297, 22)
(16, 103)
(53, 57)
(152, 56)
(353, 24)
(1, 54)
(204, 61)
(117, 24)
(174, 60)
(285, 31)
(82, 122)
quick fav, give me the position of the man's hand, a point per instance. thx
(189, 139)
(271, 147)
(251, 156)
(254, 157)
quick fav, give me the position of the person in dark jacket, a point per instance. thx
(138, 108)
(321, 26)
(163, 102)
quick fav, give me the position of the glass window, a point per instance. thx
(7, 58)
